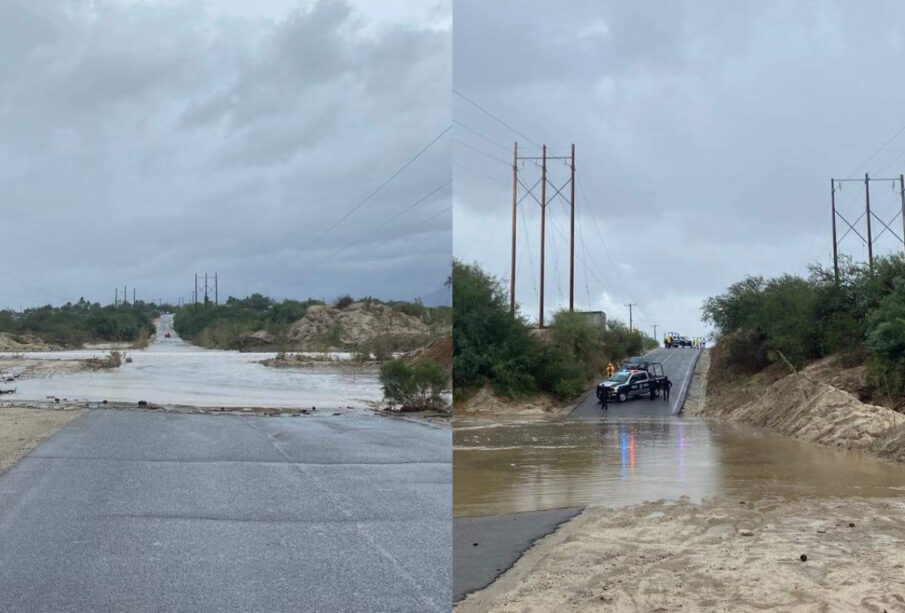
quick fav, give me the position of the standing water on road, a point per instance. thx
(172, 372)
(640, 451)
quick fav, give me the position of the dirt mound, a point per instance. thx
(355, 326)
(440, 351)
(485, 402)
(23, 342)
(802, 406)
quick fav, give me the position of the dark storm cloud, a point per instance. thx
(706, 135)
(143, 142)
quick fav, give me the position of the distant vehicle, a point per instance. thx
(167, 335)
(678, 340)
(626, 383)
(638, 362)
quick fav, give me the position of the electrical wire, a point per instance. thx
(382, 185)
(492, 116)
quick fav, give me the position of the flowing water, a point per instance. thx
(172, 372)
(523, 466)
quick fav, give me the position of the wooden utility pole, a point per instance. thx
(216, 290)
(902, 196)
(630, 323)
(543, 227)
(655, 326)
(115, 296)
(835, 242)
(870, 239)
(572, 234)
(514, 205)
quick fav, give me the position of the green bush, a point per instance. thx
(491, 346)
(413, 387)
(806, 319)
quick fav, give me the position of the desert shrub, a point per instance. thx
(344, 302)
(886, 341)
(413, 387)
(412, 309)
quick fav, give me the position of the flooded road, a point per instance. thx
(523, 466)
(172, 372)
(641, 450)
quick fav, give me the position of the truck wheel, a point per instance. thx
(622, 397)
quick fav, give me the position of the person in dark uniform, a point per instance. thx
(666, 385)
(654, 386)
(603, 400)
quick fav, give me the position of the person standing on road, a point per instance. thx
(666, 385)
(603, 400)
(610, 369)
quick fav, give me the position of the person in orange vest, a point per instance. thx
(610, 369)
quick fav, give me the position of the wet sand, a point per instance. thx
(717, 556)
(22, 429)
(484, 547)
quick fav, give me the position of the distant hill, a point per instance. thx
(440, 297)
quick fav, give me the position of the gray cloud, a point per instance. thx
(706, 136)
(144, 142)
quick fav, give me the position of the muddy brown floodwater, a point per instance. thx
(514, 466)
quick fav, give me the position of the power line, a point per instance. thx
(481, 174)
(382, 185)
(492, 116)
(481, 135)
(484, 153)
(877, 152)
(417, 202)
(607, 251)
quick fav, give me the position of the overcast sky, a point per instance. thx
(706, 135)
(144, 141)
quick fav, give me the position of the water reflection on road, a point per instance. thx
(172, 372)
(522, 465)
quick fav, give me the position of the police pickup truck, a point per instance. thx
(632, 383)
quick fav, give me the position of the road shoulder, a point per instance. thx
(485, 547)
(22, 429)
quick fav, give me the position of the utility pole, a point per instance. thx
(543, 227)
(902, 196)
(514, 205)
(116, 297)
(528, 191)
(133, 295)
(870, 241)
(835, 241)
(205, 289)
(630, 324)
(572, 233)
(655, 326)
(195, 292)
(216, 291)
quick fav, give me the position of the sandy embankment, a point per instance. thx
(804, 406)
(484, 403)
(23, 429)
(716, 556)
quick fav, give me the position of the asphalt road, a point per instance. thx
(484, 547)
(678, 365)
(136, 511)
